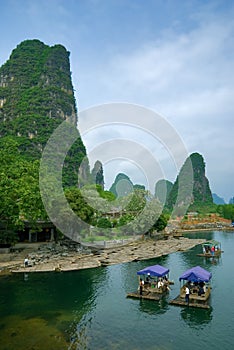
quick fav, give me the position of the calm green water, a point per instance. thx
(89, 310)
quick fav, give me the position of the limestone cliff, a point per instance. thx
(191, 188)
(36, 95)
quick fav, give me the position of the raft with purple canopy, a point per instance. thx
(196, 280)
(154, 281)
(196, 274)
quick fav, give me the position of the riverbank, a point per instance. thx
(53, 257)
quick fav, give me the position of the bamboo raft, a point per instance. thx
(207, 247)
(209, 255)
(145, 295)
(192, 303)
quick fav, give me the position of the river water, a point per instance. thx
(89, 310)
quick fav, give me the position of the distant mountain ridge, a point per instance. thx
(123, 186)
(217, 199)
(194, 189)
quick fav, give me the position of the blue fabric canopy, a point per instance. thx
(155, 270)
(196, 274)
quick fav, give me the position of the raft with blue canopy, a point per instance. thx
(196, 280)
(155, 270)
(155, 282)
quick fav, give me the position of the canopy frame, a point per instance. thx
(154, 271)
(196, 274)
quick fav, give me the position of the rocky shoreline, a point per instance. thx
(56, 257)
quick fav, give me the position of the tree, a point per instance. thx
(161, 223)
(19, 189)
(79, 205)
(104, 223)
(226, 211)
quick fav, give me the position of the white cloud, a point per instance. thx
(190, 79)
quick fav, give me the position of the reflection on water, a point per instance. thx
(25, 277)
(153, 308)
(212, 261)
(39, 310)
(79, 336)
(196, 318)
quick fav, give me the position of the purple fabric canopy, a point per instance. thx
(196, 274)
(155, 270)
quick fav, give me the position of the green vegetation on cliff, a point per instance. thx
(122, 185)
(191, 189)
(163, 189)
(97, 174)
(36, 95)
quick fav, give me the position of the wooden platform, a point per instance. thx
(208, 255)
(192, 303)
(177, 235)
(145, 295)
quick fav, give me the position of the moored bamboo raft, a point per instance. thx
(211, 249)
(150, 296)
(209, 255)
(192, 303)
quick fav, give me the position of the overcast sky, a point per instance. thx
(174, 57)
